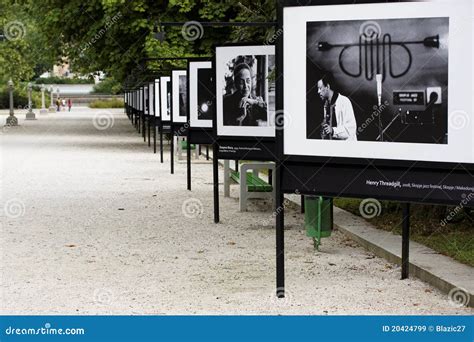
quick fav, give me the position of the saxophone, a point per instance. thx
(327, 119)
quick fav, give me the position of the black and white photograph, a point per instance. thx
(165, 98)
(146, 106)
(180, 94)
(156, 97)
(379, 81)
(151, 92)
(245, 90)
(390, 82)
(201, 94)
(140, 99)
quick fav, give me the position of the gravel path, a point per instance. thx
(92, 223)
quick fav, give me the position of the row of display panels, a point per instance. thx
(387, 84)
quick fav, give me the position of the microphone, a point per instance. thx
(379, 88)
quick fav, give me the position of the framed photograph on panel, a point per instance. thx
(156, 97)
(146, 106)
(245, 90)
(165, 98)
(140, 99)
(380, 81)
(201, 94)
(151, 93)
(179, 84)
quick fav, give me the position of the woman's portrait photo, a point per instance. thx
(246, 90)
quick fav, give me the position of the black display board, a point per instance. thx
(390, 83)
(353, 120)
(244, 131)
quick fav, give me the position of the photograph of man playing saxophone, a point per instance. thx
(339, 121)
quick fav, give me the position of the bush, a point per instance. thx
(61, 80)
(20, 98)
(114, 103)
(108, 86)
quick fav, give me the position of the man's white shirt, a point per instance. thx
(346, 128)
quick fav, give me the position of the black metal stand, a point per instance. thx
(188, 161)
(406, 241)
(302, 204)
(161, 141)
(215, 174)
(172, 149)
(280, 239)
(149, 130)
(154, 134)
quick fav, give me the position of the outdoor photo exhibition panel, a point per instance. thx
(245, 102)
(378, 100)
(151, 101)
(201, 106)
(156, 97)
(165, 98)
(179, 93)
(201, 94)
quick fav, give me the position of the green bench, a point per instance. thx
(254, 183)
(251, 186)
(181, 147)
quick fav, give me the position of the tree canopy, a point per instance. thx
(114, 35)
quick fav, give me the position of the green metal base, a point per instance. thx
(318, 218)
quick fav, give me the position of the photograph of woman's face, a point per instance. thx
(243, 82)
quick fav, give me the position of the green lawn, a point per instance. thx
(455, 239)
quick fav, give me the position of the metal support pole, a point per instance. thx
(172, 150)
(149, 130)
(188, 161)
(161, 140)
(279, 195)
(302, 204)
(154, 134)
(215, 174)
(406, 241)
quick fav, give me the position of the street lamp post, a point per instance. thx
(43, 109)
(30, 115)
(51, 94)
(11, 120)
(57, 99)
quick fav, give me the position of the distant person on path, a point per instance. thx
(63, 103)
(69, 104)
(58, 104)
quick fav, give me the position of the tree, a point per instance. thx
(114, 35)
